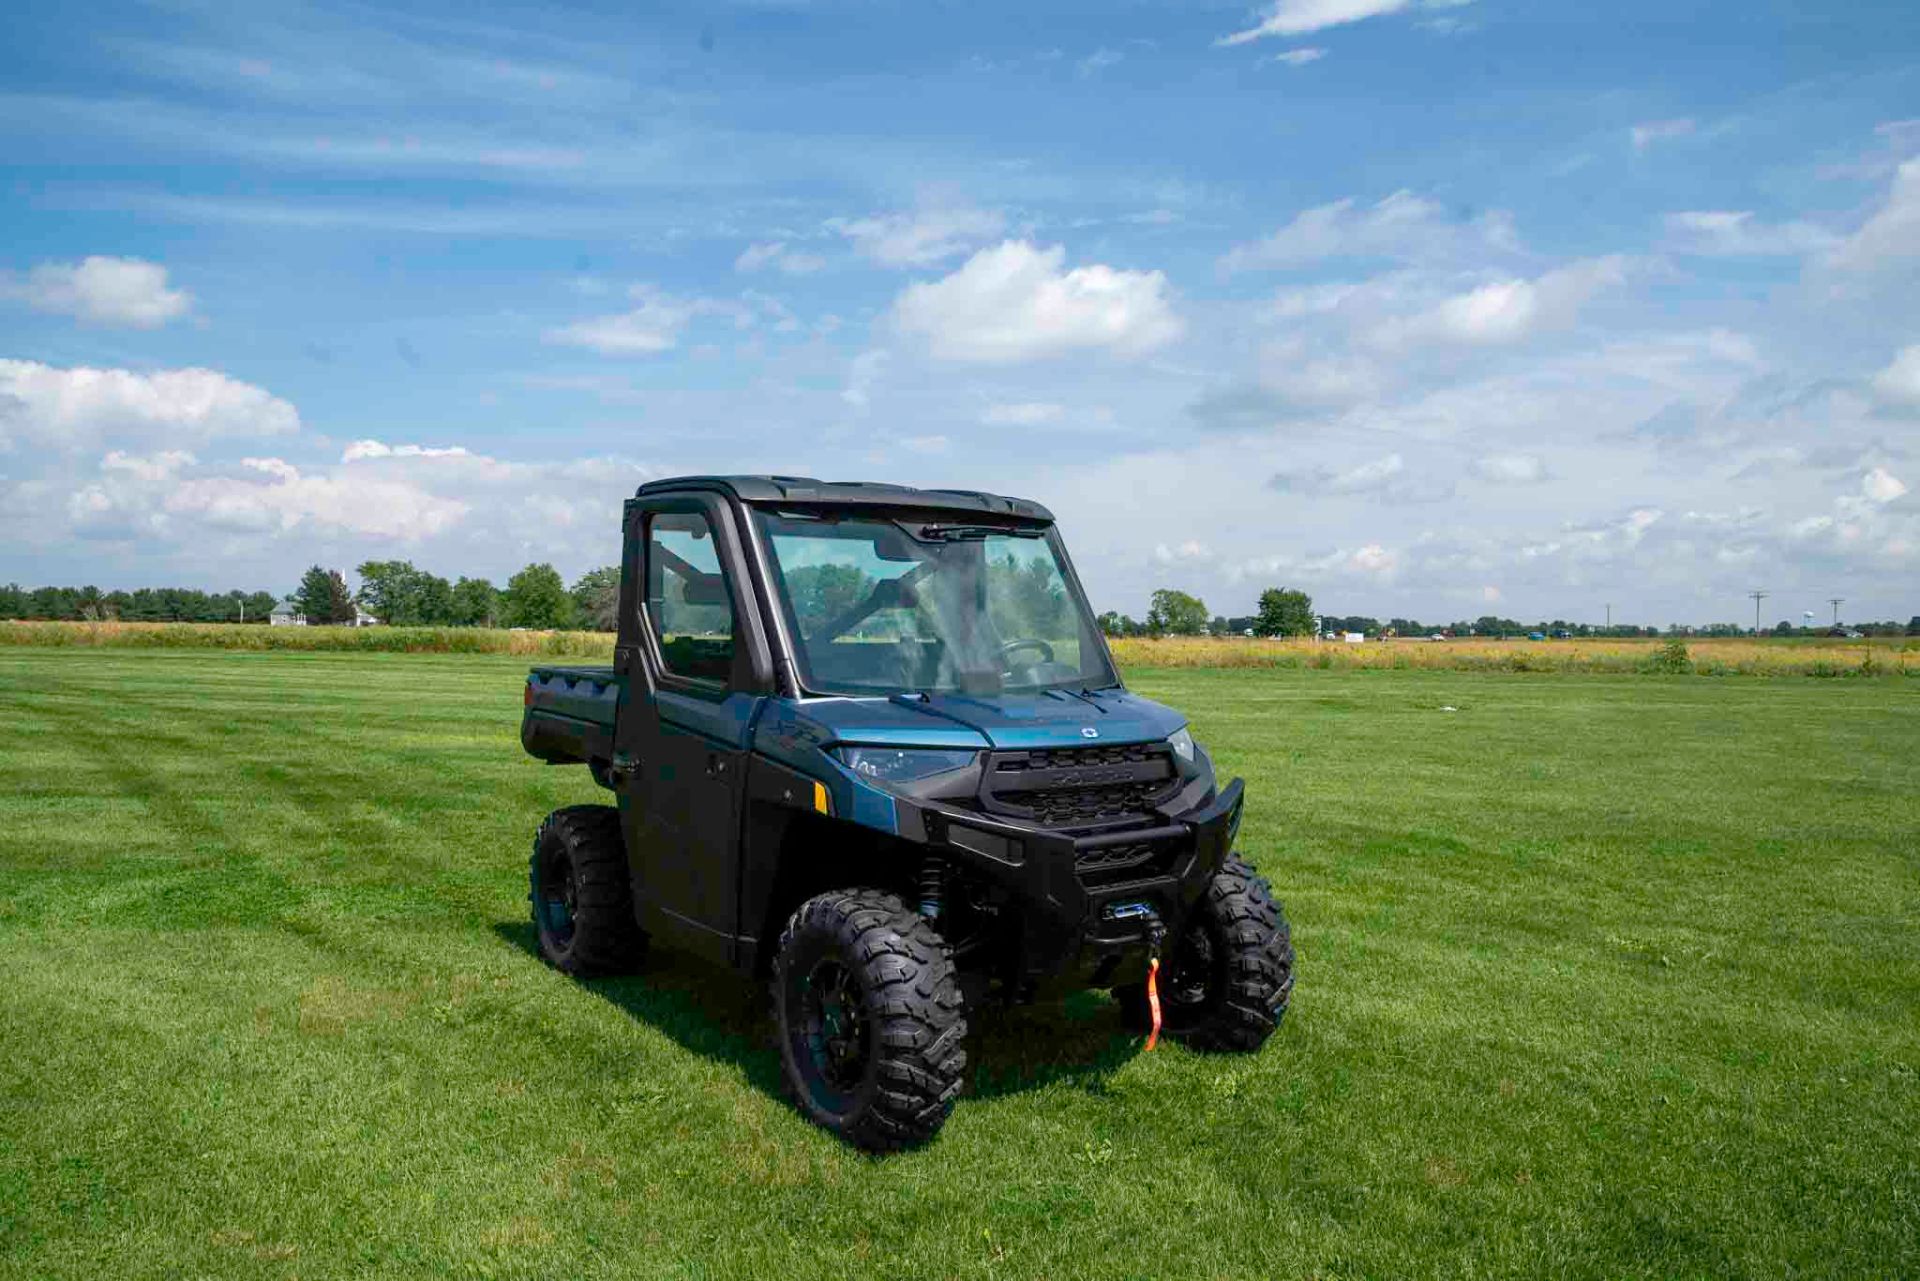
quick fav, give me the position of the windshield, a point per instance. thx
(884, 607)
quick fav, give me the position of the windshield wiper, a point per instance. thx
(957, 533)
(1084, 695)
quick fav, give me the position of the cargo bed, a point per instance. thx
(570, 714)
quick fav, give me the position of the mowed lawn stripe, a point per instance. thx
(1600, 976)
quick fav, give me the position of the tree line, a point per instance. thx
(394, 591)
(146, 605)
(1288, 612)
(400, 594)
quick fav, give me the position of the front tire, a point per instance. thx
(581, 895)
(872, 1025)
(1226, 983)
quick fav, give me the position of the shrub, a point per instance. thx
(1672, 659)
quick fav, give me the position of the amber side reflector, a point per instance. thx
(526, 695)
(820, 798)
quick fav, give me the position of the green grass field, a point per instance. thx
(1607, 976)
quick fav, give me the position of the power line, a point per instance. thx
(1758, 596)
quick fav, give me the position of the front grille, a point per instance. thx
(1087, 806)
(1079, 787)
(1117, 864)
(1076, 757)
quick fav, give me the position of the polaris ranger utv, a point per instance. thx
(868, 744)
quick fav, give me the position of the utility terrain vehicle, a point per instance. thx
(868, 744)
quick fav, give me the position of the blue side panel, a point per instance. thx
(727, 721)
(792, 735)
(870, 808)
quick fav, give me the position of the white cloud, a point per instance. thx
(779, 255)
(1509, 311)
(1298, 17)
(1735, 234)
(1374, 559)
(1014, 302)
(650, 328)
(1097, 61)
(1882, 486)
(1403, 226)
(1190, 550)
(655, 325)
(1893, 232)
(360, 450)
(929, 235)
(101, 291)
(287, 500)
(1510, 469)
(863, 374)
(1368, 476)
(1300, 57)
(77, 408)
(1899, 382)
(1649, 132)
(1024, 414)
(147, 467)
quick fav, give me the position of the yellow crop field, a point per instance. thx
(1888, 656)
(1732, 657)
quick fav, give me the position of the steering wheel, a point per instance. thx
(1008, 650)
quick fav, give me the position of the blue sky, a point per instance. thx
(1428, 307)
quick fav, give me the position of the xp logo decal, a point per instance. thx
(1088, 731)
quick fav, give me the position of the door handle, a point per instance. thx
(716, 765)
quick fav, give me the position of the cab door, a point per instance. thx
(683, 738)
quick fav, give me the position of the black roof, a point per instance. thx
(803, 491)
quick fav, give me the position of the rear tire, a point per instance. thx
(871, 1021)
(581, 895)
(1226, 982)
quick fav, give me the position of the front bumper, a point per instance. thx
(1088, 904)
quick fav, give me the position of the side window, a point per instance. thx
(687, 598)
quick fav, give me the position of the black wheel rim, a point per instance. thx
(1189, 971)
(554, 897)
(836, 1037)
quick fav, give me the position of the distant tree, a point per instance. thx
(1217, 625)
(474, 602)
(1028, 598)
(1111, 623)
(387, 590)
(1176, 613)
(13, 602)
(313, 598)
(395, 592)
(821, 593)
(1783, 628)
(1913, 625)
(596, 598)
(1284, 612)
(537, 598)
(340, 606)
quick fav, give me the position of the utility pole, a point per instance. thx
(1836, 602)
(1757, 598)
(1609, 615)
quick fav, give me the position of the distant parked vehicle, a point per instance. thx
(1536, 635)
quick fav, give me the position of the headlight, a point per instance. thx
(902, 764)
(1182, 744)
